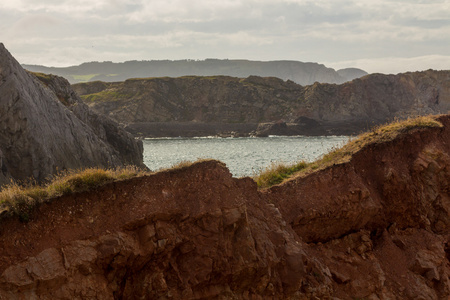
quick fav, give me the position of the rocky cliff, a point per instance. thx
(375, 227)
(150, 106)
(299, 72)
(46, 128)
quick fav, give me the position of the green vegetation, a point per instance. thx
(44, 78)
(106, 95)
(84, 78)
(147, 78)
(20, 199)
(278, 173)
(192, 77)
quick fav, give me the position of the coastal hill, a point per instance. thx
(299, 72)
(375, 226)
(193, 105)
(45, 128)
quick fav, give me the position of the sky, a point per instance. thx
(375, 35)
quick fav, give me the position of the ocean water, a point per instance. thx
(243, 156)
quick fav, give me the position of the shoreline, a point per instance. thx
(144, 130)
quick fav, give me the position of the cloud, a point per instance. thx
(306, 30)
(180, 11)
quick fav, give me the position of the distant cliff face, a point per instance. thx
(217, 99)
(340, 109)
(46, 128)
(299, 72)
(376, 227)
(378, 97)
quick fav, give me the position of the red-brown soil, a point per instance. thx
(376, 227)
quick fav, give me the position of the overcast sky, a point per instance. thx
(375, 35)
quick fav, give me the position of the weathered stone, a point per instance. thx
(45, 128)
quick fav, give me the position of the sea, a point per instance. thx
(244, 156)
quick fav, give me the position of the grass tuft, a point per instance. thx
(84, 78)
(183, 164)
(20, 199)
(277, 172)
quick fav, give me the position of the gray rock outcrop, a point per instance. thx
(4, 174)
(45, 128)
(144, 104)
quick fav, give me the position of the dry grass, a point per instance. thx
(182, 164)
(379, 134)
(20, 199)
(185, 164)
(277, 172)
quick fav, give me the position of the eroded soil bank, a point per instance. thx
(374, 228)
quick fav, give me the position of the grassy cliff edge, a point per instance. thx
(278, 173)
(20, 198)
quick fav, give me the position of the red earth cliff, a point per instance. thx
(376, 227)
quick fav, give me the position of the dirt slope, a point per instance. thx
(374, 228)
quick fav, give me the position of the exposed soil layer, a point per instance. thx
(376, 227)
